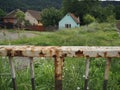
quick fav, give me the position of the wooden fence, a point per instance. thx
(59, 53)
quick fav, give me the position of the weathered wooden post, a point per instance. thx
(13, 73)
(107, 69)
(32, 73)
(87, 73)
(58, 72)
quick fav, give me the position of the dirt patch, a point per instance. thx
(14, 35)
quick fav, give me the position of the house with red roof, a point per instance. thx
(69, 21)
(10, 20)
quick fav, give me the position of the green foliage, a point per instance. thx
(50, 16)
(2, 13)
(95, 34)
(111, 19)
(73, 74)
(8, 5)
(20, 17)
(88, 19)
(79, 8)
(27, 23)
(102, 13)
(94, 8)
(117, 12)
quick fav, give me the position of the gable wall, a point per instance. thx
(31, 19)
(68, 20)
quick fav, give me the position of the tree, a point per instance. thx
(2, 13)
(117, 12)
(111, 19)
(50, 16)
(20, 17)
(79, 7)
(88, 19)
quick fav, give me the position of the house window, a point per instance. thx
(67, 25)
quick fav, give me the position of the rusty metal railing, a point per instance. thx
(59, 53)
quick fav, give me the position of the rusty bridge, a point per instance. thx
(59, 53)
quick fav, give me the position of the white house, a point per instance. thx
(69, 21)
(33, 17)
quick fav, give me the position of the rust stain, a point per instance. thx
(51, 53)
(87, 56)
(9, 52)
(64, 55)
(41, 54)
(58, 75)
(32, 49)
(58, 67)
(57, 53)
(18, 53)
(79, 53)
(119, 53)
(63, 51)
(98, 55)
(105, 54)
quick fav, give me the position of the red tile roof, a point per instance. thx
(76, 19)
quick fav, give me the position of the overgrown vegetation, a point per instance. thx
(73, 74)
(104, 34)
(95, 34)
(50, 16)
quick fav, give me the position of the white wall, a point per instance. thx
(30, 18)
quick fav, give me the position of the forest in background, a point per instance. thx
(52, 11)
(9, 5)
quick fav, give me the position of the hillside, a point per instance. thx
(8, 5)
(95, 34)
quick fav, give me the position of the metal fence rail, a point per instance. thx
(59, 53)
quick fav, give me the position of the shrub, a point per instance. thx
(111, 19)
(88, 19)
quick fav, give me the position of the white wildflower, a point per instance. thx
(87, 88)
(83, 76)
(78, 88)
(73, 67)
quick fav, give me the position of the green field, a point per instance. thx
(95, 34)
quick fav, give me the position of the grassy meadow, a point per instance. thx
(95, 34)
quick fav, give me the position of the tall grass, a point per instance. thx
(104, 34)
(95, 34)
(73, 75)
